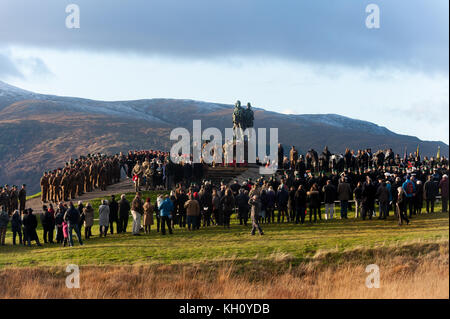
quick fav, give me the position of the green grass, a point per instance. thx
(215, 243)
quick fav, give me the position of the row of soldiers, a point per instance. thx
(13, 198)
(79, 176)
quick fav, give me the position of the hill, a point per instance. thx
(40, 132)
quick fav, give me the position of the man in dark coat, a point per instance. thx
(16, 226)
(22, 198)
(383, 198)
(113, 214)
(329, 196)
(72, 217)
(368, 199)
(430, 192)
(243, 206)
(124, 213)
(29, 227)
(48, 224)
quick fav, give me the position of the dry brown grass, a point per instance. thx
(411, 271)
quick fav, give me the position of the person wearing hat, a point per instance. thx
(14, 199)
(30, 223)
(44, 187)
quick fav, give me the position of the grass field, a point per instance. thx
(299, 242)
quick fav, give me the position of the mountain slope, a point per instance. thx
(40, 132)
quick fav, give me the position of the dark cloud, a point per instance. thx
(413, 33)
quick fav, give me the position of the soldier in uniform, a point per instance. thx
(137, 171)
(80, 182)
(116, 169)
(293, 156)
(92, 175)
(22, 196)
(95, 175)
(13, 199)
(148, 173)
(102, 178)
(4, 198)
(238, 120)
(65, 186)
(44, 187)
(51, 177)
(72, 184)
(57, 187)
(248, 116)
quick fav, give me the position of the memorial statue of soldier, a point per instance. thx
(238, 119)
(248, 117)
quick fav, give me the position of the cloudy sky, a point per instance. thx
(288, 56)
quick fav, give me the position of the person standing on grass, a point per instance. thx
(242, 204)
(65, 233)
(344, 195)
(22, 197)
(358, 199)
(430, 191)
(383, 199)
(368, 199)
(215, 200)
(300, 204)
(16, 226)
(443, 185)
(291, 204)
(270, 207)
(282, 199)
(402, 205)
(192, 207)
(82, 216)
(30, 223)
(409, 189)
(255, 208)
(329, 196)
(137, 210)
(4, 220)
(418, 198)
(124, 213)
(72, 218)
(313, 198)
(59, 218)
(166, 211)
(113, 214)
(88, 220)
(48, 224)
(228, 204)
(103, 218)
(148, 215)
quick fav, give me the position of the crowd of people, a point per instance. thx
(302, 186)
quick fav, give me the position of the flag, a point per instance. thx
(406, 154)
(417, 152)
(438, 156)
